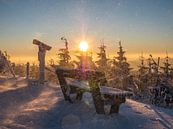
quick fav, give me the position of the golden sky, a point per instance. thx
(142, 26)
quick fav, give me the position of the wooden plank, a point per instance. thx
(37, 42)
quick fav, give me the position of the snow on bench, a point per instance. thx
(103, 89)
(114, 91)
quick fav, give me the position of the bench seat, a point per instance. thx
(103, 89)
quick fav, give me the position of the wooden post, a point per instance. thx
(41, 58)
(27, 70)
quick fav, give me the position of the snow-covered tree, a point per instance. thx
(64, 56)
(141, 79)
(153, 71)
(19, 69)
(34, 71)
(50, 72)
(5, 63)
(2, 64)
(85, 61)
(102, 62)
(166, 69)
(121, 70)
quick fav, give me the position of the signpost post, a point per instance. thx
(41, 58)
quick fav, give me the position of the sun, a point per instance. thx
(83, 46)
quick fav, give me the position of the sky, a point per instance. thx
(141, 25)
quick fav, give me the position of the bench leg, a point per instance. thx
(69, 99)
(79, 95)
(98, 102)
(97, 98)
(114, 108)
(64, 93)
(66, 97)
(99, 106)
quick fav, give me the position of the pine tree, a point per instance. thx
(121, 70)
(85, 61)
(2, 64)
(34, 71)
(5, 63)
(166, 68)
(50, 72)
(102, 62)
(142, 67)
(153, 71)
(19, 69)
(142, 77)
(64, 55)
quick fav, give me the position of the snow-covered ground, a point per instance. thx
(30, 107)
(11, 83)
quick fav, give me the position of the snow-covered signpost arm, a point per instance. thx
(41, 58)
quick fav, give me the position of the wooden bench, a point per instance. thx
(78, 81)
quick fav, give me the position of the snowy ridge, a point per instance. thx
(45, 108)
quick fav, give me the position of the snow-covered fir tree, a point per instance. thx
(141, 79)
(6, 66)
(102, 62)
(166, 68)
(64, 56)
(2, 63)
(162, 90)
(121, 70)
(153, 71)
(34, 71)
(85, 61)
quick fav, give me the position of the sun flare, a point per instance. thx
(83, 46)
